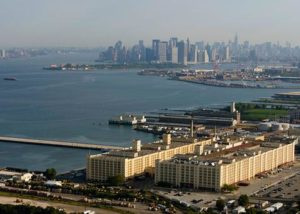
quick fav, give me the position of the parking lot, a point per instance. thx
(258, 185)
(287, 178)
(197, 199)
(289, 188)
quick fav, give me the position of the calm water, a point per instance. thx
(75, 106)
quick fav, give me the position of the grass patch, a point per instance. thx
(261, 114)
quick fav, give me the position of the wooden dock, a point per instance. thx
(59, 143)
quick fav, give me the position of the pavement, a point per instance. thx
(208, 199)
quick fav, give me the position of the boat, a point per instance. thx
(10, 78)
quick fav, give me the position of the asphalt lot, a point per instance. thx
(258, 186)
(289, 188)
(197, 199)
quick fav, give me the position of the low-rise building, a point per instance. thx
(17, 176)
(211, 170)
(139, 159)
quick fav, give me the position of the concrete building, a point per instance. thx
(17, 176)
(213, 167)
(155, 49)
(182, 53)
(139, 159)
(174, 55)
(205, 57)
(193, 54)
(227, 56)
(162, 52)
(3, 54)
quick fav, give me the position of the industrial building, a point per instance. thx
(140, 158)
(226, 162)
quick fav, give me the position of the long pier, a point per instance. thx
(59, 143)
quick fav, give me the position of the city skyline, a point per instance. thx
(94, 24)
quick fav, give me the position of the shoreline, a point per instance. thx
(231, 86)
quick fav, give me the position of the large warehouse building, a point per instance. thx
(139, 159)
(211, 170)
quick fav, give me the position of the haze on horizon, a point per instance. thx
(94, 23)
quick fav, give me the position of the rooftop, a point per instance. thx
(150, 148)
(230, 155)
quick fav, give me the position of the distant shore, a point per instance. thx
(85, 67)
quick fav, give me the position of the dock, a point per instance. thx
(59, 143)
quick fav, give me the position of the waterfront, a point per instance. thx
(76, 105)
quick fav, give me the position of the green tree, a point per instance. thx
(251, 210)
(243, 200)
(50, 173)
(220, 204)
(229, 188)
(116, 180)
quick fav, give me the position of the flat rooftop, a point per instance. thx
(147, 148)
(229, 155)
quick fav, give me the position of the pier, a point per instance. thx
(59, 143)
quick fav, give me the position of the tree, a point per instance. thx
(116, 180)
(220, 204)
(228, 188)
(243, 200)
(50, 173)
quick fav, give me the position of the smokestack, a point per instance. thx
(192, 128)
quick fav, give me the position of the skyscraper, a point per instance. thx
(193, 53)
(188, 49)
(182, 53)
(162, 52)
(205, 56)
(227, 56)
(3, 54)
(155, 49)
(174, 55)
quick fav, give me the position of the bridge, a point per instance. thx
(59, 143)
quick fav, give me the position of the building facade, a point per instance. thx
(213, 173)
(139, 159)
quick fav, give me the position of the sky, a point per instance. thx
(95, 23)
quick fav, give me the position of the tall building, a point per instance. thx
(188, 47)
(3, 54)
(193, 53)
(173, 42)
(227, 54)
(214, 55)
(182, 53)
(174, 55)
(162, 52)
(205, 57)
(155, 49)
(149, 54)
(142, 50)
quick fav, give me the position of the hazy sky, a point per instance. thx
(102, 22)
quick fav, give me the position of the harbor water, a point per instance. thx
(76, 105)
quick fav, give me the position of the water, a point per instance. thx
(75, 106)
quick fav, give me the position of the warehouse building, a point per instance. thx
(211, 169)
(139, 159)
